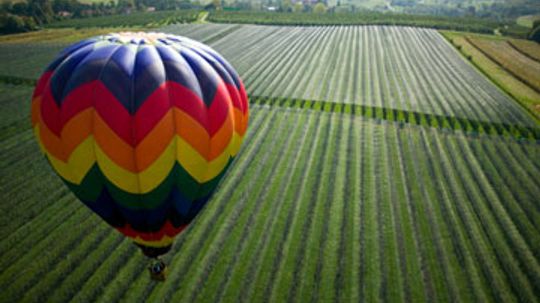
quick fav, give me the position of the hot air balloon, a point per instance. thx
(141, 127)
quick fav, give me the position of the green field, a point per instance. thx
(387, 67)
(379, 165)
(358, 18)
(527, 21)
(510, 82)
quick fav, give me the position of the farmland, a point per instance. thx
(528, 48)
(379, 165)
(385, 67)
(509, 63)
(357, 18)
(510, 58)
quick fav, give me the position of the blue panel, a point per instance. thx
(220, 69)
(149, 75)
(177, 70)
(65, 70)
(202, 48)
(117, 76)
(106, 208)
(68, 51)
(206, 75)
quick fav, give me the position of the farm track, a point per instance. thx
(357, 181)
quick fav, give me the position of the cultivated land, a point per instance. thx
(511, 59)
(378, 165)
(357, 18)
(512, 64)
(530, 49)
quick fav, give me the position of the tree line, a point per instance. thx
(23, 16)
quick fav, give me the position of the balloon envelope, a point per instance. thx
(141, 127)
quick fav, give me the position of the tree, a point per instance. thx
(298, 7)
(20, 8)
(319, 8)
(59, 5)
(286, 5)
(41, 10)
(471, 11)
(30, 23)
(535, 32)
(6, 6)
(126, 5)
(14, 24)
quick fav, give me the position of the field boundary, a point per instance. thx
(17, 80)
(512, 45)
(469, 126)
(521, 100)
(221, 35)
(519, 77)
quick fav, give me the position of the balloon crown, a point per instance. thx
(139, 38)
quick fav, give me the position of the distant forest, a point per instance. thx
(21, 16)
(495, 9)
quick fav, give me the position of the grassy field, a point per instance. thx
(401, 176)
(515, 87)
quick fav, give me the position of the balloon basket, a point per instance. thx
(158, 270)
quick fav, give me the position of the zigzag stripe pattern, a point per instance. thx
(141, 127)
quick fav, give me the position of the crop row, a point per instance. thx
(388, 67)
(470, 126)
(520, 91)
(401, 117)
(205, 34)
(326, 200)
(318, 206)
(26, 60)
(302, 235)
(391, 114)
